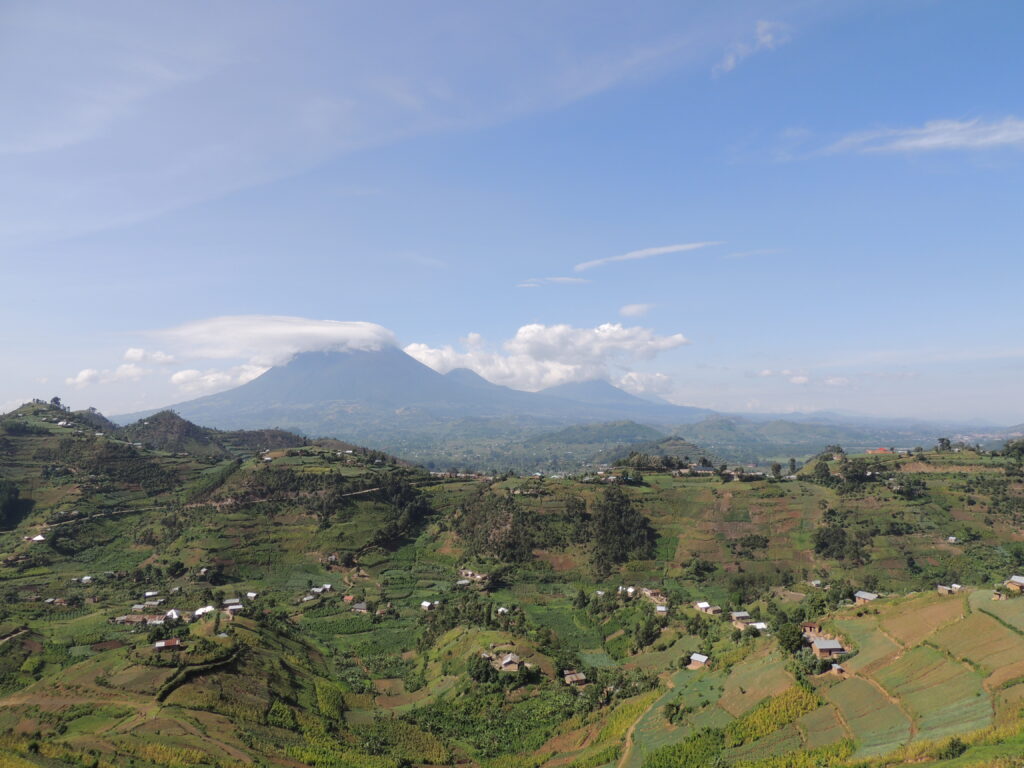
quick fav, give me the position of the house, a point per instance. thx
(824, 647)
(952, 539)
(599, 593)
(348, 598)
(697, 660)
(234, 607)
(502, 610)
(152, 593)
(760, 626)
(38, 537)
(661, 610)
(510, 662)
(138, 608)
(463, 583)
(317, 590)
(155, 620)
(811, 628)
(251, 595)
(170, 643)
(874, 451)
(705, 607)
(426, 605)
(232, 601)
(838, 670)
(863, 598)
(942, 589)
(307, 598)
(86, 580)
(572, 677)
(173, 615)
(739, 619)
(360, 608)
(656, 596)
(1015, 583)
(466, 573)
(956, 587)
(203, 611)
(326, 587)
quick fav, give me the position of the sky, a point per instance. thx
(751, 207)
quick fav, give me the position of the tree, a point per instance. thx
(792, 466)
(620, 531)
(776, 470)
(55, 402)
(944, 445)
(791, 637)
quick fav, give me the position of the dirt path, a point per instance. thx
(627, 747)
(19, 633)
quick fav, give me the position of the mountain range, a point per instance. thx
(387, 399)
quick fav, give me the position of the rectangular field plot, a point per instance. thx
(821, 727)
(918, 619)
(987, 643)
(1009, 611)
(878, 725)
(783, 740)
(753, 680)
(943, 696)
(872, 645)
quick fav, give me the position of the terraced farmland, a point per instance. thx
(877, 724)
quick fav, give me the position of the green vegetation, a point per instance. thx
(458, 606)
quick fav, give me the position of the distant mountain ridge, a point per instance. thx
(389, 400)
(372, 393)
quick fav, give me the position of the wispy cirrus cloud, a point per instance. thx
(645, 253)
(635, 310)
(537, 282)
(768, 35)
(976, 134)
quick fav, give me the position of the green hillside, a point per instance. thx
(360, 674)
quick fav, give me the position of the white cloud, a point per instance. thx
(766, 372)
(139, 355)
(266, 340)
(83, 378)
(123, 372)
(837, 381)
(798, 380)
(646, 383)
(936, 135)
(194, 381)
(768, 35)
(644, 253)
(635, 310)
(127, 372)
(540, 356)
(537, 282)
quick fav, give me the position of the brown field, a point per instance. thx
(913, 624)
(987, 643)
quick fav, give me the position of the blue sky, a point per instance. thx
(820, 202)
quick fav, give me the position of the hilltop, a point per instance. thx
(599, 575)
